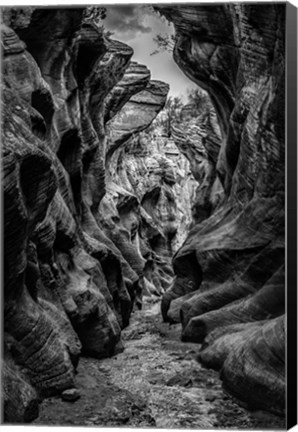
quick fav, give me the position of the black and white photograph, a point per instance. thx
(144, 177)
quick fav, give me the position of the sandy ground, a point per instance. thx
(155, 382)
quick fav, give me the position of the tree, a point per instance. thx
(199, 100)
(170, 113)
(164, 43)
(95, 15)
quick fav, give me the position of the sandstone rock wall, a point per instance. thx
(233, 292)
(70, 284)
(151, 186)
(198, 138)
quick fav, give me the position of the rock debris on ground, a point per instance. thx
(155, 382)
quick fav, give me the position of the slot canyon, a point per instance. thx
(144, 243)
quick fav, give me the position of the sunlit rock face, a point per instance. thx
(152, 168)
(151, 187)
(120, 212)
(232, 294)
(198, 138)
(69, 286)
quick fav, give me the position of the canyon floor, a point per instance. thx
(155, 382)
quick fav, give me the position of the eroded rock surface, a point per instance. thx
(198, 138)
(151, 187)
(232, 295)
(69, 285)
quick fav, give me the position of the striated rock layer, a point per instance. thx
(199, 139)
(151, 185)
(70, 283)
(230, 283)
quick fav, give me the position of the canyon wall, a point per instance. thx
(95, 205)
(75, 264)
(229, 286)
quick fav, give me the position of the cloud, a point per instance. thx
(138, 25)
(127, 21)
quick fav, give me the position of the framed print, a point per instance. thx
(149, 207)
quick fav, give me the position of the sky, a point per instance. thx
(137, 25)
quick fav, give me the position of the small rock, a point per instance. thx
(179, 380)
(138, 406)
(212, 411)
(70, 395)
(210, 398)
(191, 351)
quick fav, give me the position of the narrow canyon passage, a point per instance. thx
(144, 232)
(156, 382)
